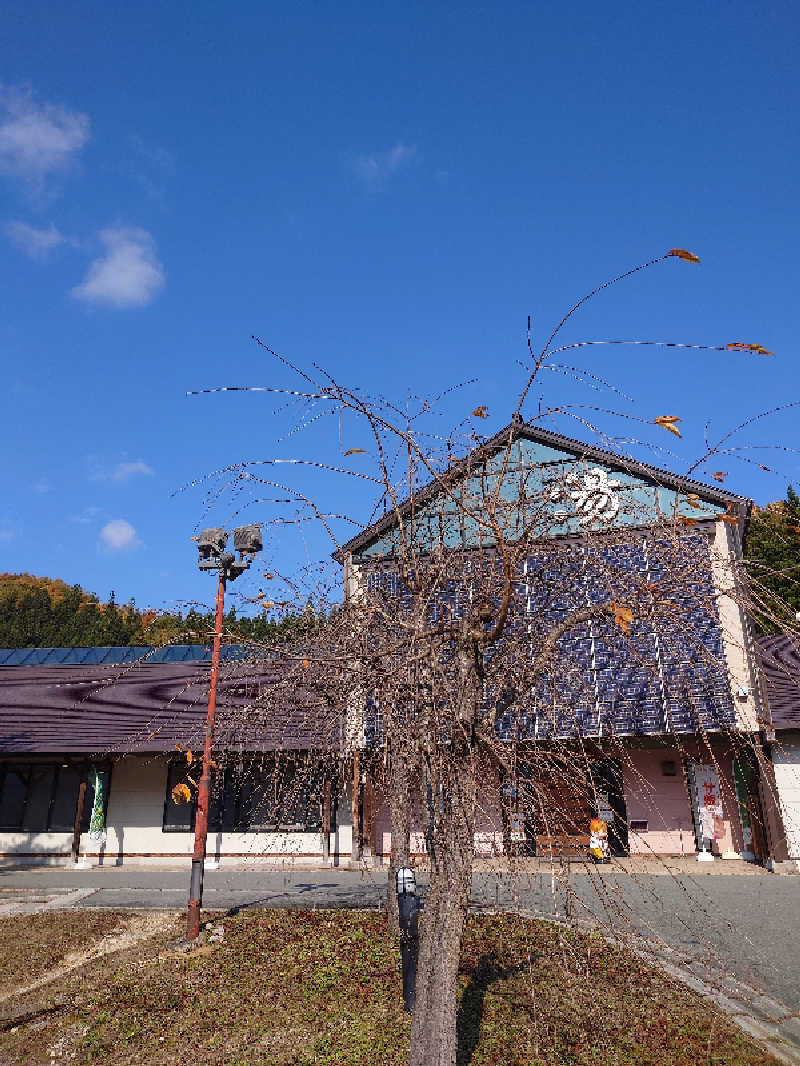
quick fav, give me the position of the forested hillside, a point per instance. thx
(41, 612)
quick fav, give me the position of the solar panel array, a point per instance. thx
(668, 675)
(170, 653)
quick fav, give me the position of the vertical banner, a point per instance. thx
(97, 820)
(706, 804)
(741, 774)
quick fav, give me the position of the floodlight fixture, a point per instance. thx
(247, 539)
(210, 546)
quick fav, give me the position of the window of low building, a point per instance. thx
(255, 795)
(178, 817)
(13, 795)
(38, 797)
(65, 798)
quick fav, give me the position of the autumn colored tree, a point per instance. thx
(39, 612)
(456, 656)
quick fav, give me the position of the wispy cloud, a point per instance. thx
(37, 139)
(129, 274)
(98, 470)
(125, 471)
(42, 485)
(86, 517)
(6, 533)
(118, 535)
(34, 241)
(379, 166)
(150, 166)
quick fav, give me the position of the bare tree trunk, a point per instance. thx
(400, 814)
(433, 1031)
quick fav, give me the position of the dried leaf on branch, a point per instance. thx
(623, 616)
(668, 422)
(743, 346)
(181, 794)
(681, 253)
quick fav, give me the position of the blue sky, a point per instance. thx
(388, 190)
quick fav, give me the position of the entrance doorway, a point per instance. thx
(554, 796)
(610, 802)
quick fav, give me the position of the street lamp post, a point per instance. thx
(212, 555)
(408, 907)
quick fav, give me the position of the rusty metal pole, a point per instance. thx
(204, 785)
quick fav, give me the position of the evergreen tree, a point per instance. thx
(792, 506)
(772, 552)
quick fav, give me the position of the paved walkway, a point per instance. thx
(735, 929)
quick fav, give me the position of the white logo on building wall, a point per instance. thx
(593, 495)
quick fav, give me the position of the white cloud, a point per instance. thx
(98, 470)
(381, 165)
(35, 242)
(37, 139)
(124, 471)
(118, 535)
(87, 516)
(128, 275)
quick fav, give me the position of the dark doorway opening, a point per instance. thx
(610, 802)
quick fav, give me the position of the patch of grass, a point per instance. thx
(289, 988)
(32, 944)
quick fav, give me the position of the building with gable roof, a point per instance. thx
(668, 730)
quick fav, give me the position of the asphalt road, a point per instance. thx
(738, 934)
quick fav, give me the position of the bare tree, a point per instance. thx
(487, 609)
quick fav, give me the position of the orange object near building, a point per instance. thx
(598, 840)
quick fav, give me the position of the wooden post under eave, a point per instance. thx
(369, 836)
(79, 809)
(326, 820)
(355, 850)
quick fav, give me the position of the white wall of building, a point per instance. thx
(26, 847)
(735, 637)
(786, 760)
(134, 832)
